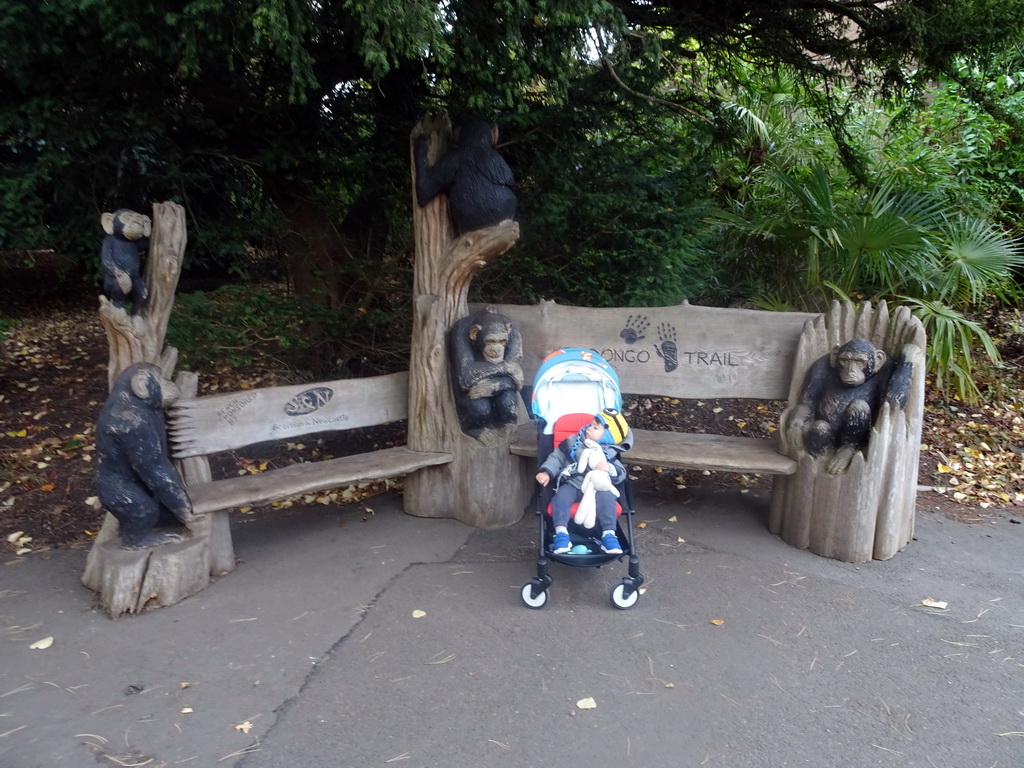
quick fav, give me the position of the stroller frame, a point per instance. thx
(534, 593)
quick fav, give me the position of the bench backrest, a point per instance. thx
(205, 425)
(682, 351)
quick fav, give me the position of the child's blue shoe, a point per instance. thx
(609, 544)
(562, 543)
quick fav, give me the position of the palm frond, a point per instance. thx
(976, 258)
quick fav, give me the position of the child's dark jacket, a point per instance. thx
(561, 458)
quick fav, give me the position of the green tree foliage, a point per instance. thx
(283, 125)
(808, 230)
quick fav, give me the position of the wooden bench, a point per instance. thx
(718, 353)
(699, 353)
(206, 425)
(129, 581)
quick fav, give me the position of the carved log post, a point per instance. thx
(484, 485)
(129, 580)
(868, 511)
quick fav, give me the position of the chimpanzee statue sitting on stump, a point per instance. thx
(477, 179)
(135, 479)
(487, 373)
(841, 397)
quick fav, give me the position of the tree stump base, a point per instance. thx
(485, 486)
(132, 580)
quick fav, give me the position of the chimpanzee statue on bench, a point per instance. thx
(840, 400)
(135, 479)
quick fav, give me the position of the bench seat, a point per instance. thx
(688, 450)
(309, 477)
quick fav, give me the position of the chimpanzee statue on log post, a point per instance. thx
(487, 371)
(477, 179)
(444, 265)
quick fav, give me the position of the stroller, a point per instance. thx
(571, 385)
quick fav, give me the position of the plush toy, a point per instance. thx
(594, 481)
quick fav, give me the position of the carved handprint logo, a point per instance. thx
(667, 350)
(636, 325)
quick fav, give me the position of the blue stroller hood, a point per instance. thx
(573, 380)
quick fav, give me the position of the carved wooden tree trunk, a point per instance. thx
(484, 485)
(867, 512)
(128, 580)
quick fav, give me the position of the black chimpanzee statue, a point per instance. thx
(841, 397)
(127, 239)
(487, 373)
(477, 179)
(135, 479)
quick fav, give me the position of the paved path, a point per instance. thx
(313, 643)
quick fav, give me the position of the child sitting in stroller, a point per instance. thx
(613, 435)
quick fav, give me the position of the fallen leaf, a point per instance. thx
(418, 614)
(587, 703)
(718, 622)
(673, 519)
(187, 710)
(42, 645)
(244, 727)
(641, 525)
(19, 433)
(15, 536)
(932, 603)
(47, 487)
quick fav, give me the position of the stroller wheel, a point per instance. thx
(528, 598)
(619, 597)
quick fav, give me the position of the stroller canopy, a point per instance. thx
(573, 380)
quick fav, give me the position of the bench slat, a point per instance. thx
(688, 450)
(683, 351)
(214, 423)
(309, 477)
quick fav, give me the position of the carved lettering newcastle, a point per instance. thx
(309, 423)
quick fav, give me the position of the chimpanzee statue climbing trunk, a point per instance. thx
(477, 179)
